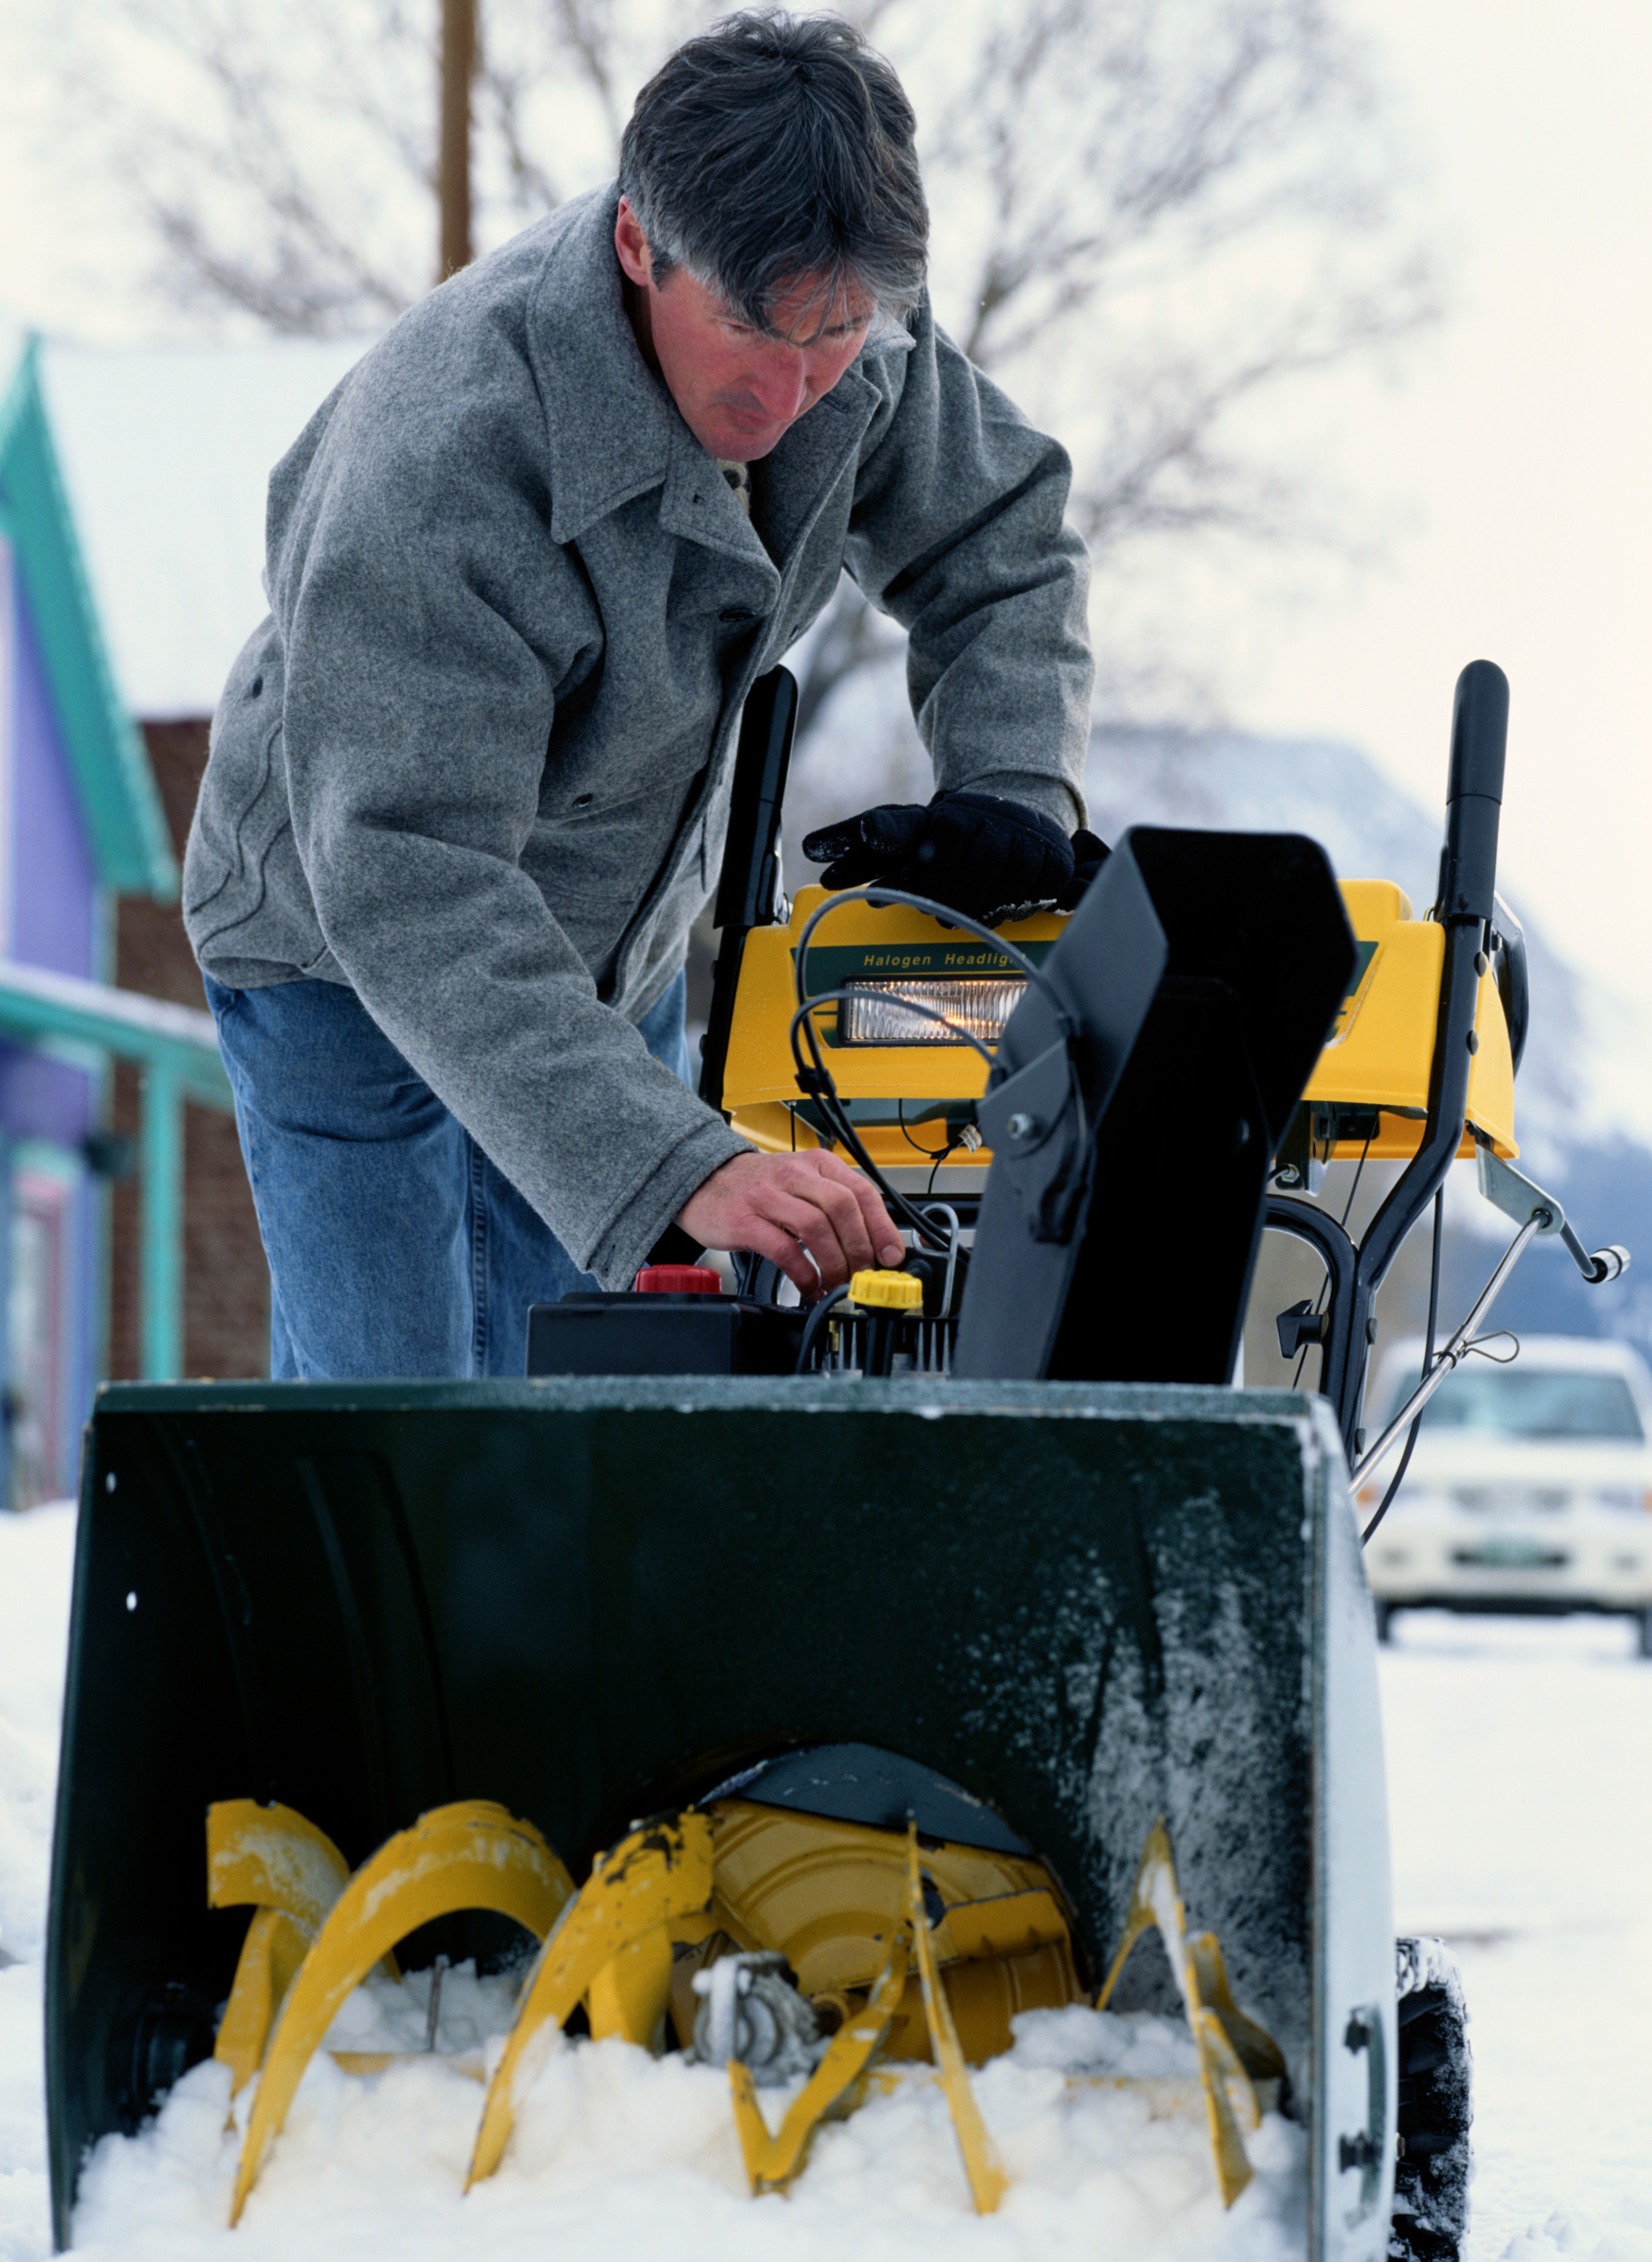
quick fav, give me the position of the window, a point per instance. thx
(38, 1337)
(1531, 1402)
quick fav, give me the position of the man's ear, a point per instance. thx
(632, 247)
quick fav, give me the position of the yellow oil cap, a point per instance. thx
(890, 1290)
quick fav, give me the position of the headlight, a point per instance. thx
(876, 1012)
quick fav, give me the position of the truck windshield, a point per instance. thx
(1520, 1401)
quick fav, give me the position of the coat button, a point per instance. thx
(583, 800)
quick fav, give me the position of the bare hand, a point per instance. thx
(778, 1206)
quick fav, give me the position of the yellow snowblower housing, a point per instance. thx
(910, 1082)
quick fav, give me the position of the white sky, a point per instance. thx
(1515, 452)
(1521, 443)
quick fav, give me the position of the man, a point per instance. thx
(469, 782)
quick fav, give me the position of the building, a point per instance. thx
(130, 508)
(81, 825)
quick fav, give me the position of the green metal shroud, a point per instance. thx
(1087, 1604)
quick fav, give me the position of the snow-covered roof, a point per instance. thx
(166, 453)
(125, 825)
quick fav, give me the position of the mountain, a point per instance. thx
(1582, 1111)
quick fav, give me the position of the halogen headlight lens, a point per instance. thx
(878, 1012)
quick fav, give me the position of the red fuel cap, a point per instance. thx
(679, 1280)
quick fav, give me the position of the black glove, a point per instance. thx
(1088, 856)
(990, 859)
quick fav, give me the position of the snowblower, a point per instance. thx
(819, 1691)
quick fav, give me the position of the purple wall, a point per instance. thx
(52, 889)
(54, 882)
(41, 1099)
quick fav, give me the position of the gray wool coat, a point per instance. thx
(475, 764)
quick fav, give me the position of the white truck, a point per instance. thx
(1530, 1488)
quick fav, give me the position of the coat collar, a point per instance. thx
(613, 430)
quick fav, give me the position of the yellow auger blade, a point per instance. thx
(987, 2181)
(629, 1995)
(271, 1955)
(290, 1873)
(469, 1855)
(773, 2162)
(271, 1857)
(1156, 1900)
(659, 1872)
(1255, 2048)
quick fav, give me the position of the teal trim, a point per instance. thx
(177, 1048)
(160, 1241)
(37, 1007)
(124, 815)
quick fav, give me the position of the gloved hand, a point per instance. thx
(1089, 855)
(993, 860)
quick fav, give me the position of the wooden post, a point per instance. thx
(453, 173)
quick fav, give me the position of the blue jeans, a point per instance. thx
(395, 1246)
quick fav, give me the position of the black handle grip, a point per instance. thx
(745, 895)
(747, 890)
(1473, 793)
(1479, 732)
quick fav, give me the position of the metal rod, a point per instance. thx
(1455, 1351)
(433, 2007)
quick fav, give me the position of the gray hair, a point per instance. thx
(774, 147)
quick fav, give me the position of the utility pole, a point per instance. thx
(453, 170)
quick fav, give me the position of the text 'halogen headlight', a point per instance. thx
(879, 1012)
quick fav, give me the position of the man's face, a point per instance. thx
(737, 389)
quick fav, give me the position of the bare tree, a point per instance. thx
(287, 161)
(1151, 215)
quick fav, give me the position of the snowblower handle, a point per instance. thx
(748, 891)
(749, 884)
(1474, 794)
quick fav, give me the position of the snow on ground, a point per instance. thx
(35, 1556)
(1520, 1759)
(1520, 1794)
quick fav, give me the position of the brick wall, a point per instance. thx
(226, 1286)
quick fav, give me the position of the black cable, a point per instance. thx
(1320, 1300)
(814, 1324)
(1359, 1171)
(906, 1005)
(930, 1153)
(940, 1158)
(880, 898)
(818, 1081)
(821, 1085)
(1428, 1361)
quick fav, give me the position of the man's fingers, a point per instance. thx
(789, 1255)
(886, 1241)
(778, 1206)
(883, 1241)
(827, 1221)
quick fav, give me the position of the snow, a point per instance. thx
(1519, 1763)
(1519, 1767)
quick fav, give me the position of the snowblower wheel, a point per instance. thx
(1430, 2175)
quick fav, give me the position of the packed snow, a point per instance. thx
(1518, 1765)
